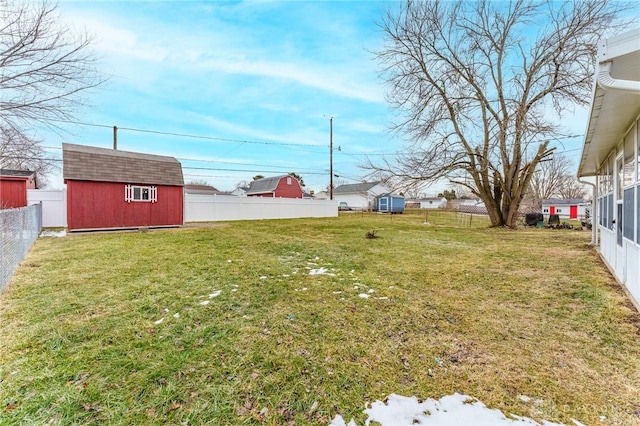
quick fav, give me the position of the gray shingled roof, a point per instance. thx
(82, 162)
(564, 201)
(354, 188)
(20, 173)
(264, 185)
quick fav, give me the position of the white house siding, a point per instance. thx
(361, 200)
(433, 204)
(619, 190)
(611, 153)
(563, 210)
(355, 201)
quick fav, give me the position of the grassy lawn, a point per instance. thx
(295, 321)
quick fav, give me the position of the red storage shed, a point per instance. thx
(13, 187)
(110, 189)
(285, 186)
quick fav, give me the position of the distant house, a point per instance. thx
(426, 203)
(109, 189)
(565, 208)
(285, 186)
(13, 187)
(610, 153)
(360, 195)
(321, 195)
(240, 191)
(203, 190)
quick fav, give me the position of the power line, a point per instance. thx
(186, 135)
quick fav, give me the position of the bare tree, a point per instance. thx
(571, 188)
(478, 84)
(549, 178)
(45, 69)
(19, 152)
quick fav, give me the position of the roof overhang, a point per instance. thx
(616, 99)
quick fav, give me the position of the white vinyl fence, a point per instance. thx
(54, 206)
(205, 208)
(200, 208)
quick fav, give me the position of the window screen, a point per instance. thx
(610, 211)
(628, 221)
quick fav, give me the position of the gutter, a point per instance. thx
(606, 82)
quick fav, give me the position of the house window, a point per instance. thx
(629, 160)
(545, 210)
(288, 181)
(558, 210)
(638, 149)
(627, 219)
(148, 194)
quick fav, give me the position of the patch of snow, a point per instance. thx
(229, 260)
(364, 295)
(371, 291)
(382, 298)
(160, 321)
(264, 277)
(319, 271)
(54, 234)
(453, 409)
(234, 289)
(176, 315)
(304, 289)
(166, 310)
(204, 302)
(339, 421)
(337, 292)
(286, 275)
(215, 294)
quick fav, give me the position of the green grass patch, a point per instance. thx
(295, 321)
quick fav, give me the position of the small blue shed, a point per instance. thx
(389, 203)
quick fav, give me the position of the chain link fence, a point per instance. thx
(20, 228)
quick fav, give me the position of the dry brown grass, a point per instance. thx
(491, 313)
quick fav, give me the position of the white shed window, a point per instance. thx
(148, 194)
(288, 181)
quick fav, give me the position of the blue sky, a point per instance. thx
(258, 80)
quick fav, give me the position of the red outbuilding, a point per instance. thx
(285, 186)
(13, 187)
(110, 189)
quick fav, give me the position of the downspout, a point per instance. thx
(594, 212)
(606, 82)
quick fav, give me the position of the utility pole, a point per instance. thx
(115, 137)
(331, 158)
